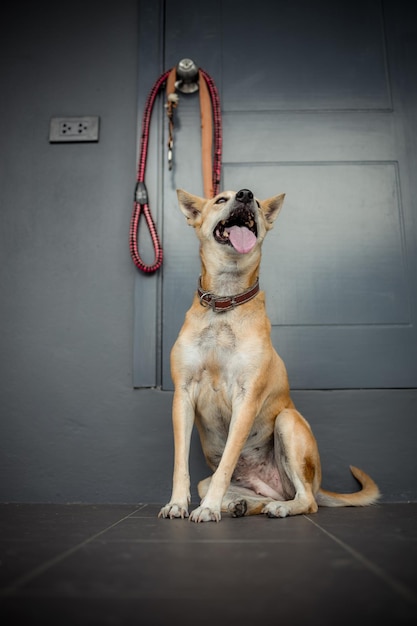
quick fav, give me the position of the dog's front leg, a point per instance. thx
(183, 420)
(210, 506)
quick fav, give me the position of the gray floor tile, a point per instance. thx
(121, 565)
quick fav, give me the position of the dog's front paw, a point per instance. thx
(205, 514)
(172, 510)
(276, 509)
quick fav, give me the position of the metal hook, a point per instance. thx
(187, 75)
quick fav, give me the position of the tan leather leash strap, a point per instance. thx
(206, 128)
(206, 137)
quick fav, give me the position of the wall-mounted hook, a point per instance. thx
(187, 76)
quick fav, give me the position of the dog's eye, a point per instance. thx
(221, 200)
(259, 206)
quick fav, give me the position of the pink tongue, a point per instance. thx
(241, 238)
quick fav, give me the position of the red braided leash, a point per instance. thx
(141, 202)
(141, 195)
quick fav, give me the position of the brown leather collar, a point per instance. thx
(225, 303)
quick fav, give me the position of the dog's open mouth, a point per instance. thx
(238, 230)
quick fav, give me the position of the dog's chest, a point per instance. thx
(216, 339)
(215, 358)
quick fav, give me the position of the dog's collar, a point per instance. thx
(225, 303)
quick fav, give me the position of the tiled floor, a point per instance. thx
(120, 564)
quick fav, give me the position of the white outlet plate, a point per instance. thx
(70, 129)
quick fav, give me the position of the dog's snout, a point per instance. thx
(245, 196)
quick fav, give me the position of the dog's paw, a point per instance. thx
(172, 510)
(205, 514)
(276, 509)
(238, 508)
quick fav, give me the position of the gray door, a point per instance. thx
(318, 101)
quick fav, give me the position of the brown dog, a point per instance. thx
(229, 380)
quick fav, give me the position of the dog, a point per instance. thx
(230, 381)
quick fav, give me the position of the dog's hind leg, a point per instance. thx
(298, 461)
(238, 501)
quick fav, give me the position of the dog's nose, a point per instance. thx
(244, 195)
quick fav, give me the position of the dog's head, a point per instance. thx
(235, 221)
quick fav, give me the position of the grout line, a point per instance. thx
(392, 582)
(187, 541)
(19, 582)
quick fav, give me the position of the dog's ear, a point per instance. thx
(191, 206)
(271, 207)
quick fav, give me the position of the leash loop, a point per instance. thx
(188, 72)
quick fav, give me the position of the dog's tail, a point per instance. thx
(369, 493)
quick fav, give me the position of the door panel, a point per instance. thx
(302, 55)
(310, 109)
(337, 258)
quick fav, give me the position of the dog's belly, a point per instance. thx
(256, 468)
(259, 474)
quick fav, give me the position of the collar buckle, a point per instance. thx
(207, 299)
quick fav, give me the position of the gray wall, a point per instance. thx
(72, 427)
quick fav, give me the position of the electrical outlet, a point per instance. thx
(64, 129)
